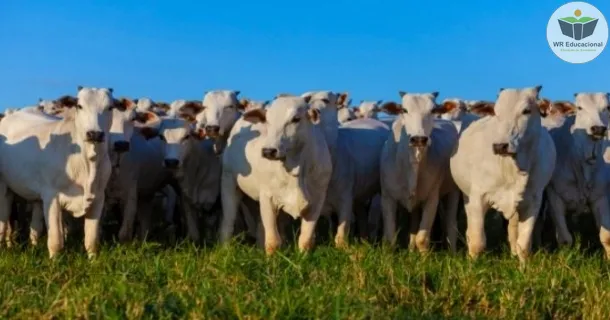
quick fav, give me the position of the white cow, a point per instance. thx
(414, 169)
(63, 162)
(137, 170)
(345, 114)
(505, 161)
(581, 177)
(278, 157)
(368, 109)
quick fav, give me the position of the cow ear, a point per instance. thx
(434, 94)
(198, 133)
(187, 117)
(447, 106)
(402, 93)
(135, 101)
(565, 107)
(483, 109)
(111, 90)
(192, 108)
(544, 106)
(307, 98)
(66, 102)
(313, 115)
(538, 88)
(146, 117)
(124, 104)
(243, 104)
(256, 116)
(392, 107)
(79, 88)
(148, 132)
(266, 103)
(236, 92)
(342, 98)
(377, 106)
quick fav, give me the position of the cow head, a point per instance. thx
(286, 124)
(220, 112)
(368, 109)
(591, 114)
(50, 107)
(125, 117)
(246, 105)
(517, 112)
(90, 110)
(416, 115)
(178, 131)
(346, 114)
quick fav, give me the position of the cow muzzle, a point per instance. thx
(121, 146)
(95, 136)
(212, 131)
(502, 149)
(597, 133)
(270, 154)
(172, 163)
(418, 141)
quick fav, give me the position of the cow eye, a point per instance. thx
(608, 108)
(295, 119)
(527, 111)
(162, 137)
(78, 106)
(579, 108)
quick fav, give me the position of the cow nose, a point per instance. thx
(95, 136)
(172, 163)
(598, 131)
(212, 129)
(121, 146)
(270, 153)
(500, 148)
(418, 141)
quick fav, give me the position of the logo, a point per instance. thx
(577, 32)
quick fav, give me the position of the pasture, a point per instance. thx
(238, 281)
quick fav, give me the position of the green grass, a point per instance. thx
(239, 281)
(573, 19)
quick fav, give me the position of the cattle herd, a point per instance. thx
(309, 156)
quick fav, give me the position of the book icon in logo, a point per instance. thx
(577, 28)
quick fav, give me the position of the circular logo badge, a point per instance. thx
(577, 32)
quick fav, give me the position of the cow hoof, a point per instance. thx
(124, 237)
(305, 247)
(271, 249)
(341, 243)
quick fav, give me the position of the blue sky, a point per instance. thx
(169, 50)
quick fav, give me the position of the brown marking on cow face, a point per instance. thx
(192, 108)
(243, 104)
(392, 108)
(124, 104)
(145, 117)
(66, 101)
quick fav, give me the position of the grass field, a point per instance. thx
(239, 281)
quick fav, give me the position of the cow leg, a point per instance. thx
(345, 220)
(414, 221)
(5, 210)
(600, 207)
(451, 227)
(269, 215)
(422, 240)
(558, 214)
(527, 221)
(307, 235)
(190, 214)
(374, 217)
(170, 204)
(388, 208)
(475, 219)
(130, 202)
(37, 223)
(92, 225)
(52, 215)
(144, 212)
(231, 198)
(513, 233)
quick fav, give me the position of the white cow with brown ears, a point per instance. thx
(581, 176)
(414, 169)
(63, 162)
(278, 157)
(504, 161)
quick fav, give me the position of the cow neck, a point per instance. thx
(330, 127)
(409, 161)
